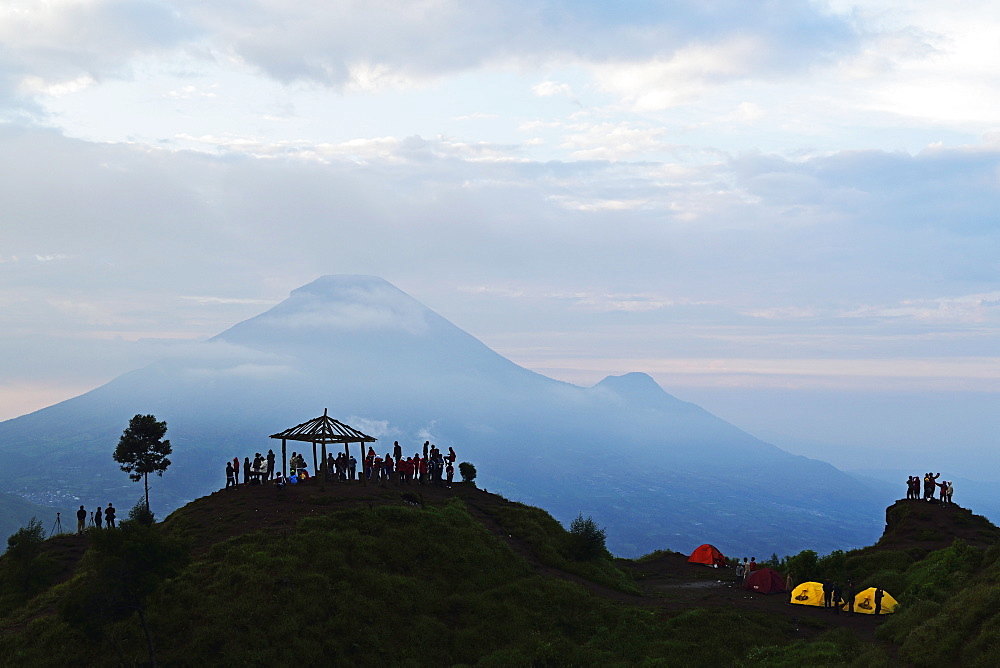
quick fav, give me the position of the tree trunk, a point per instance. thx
(149, 638)
(145, 479)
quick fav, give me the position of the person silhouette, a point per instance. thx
(81, 519)
(879, 595)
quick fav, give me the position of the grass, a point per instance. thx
(550, 544)
(398, 585)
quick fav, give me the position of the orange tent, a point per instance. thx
(708, 555)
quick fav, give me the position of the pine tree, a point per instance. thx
(142, 451)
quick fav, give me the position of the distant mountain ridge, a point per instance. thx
(664, 473)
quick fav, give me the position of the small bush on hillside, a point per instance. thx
(861, 566)
(467, 471)
(804, 566)
(656, 554)
(24, 570)
(26, 543)
(586, 539)
(893, 582)
(833, 566)
(942, 572)
(141, 513)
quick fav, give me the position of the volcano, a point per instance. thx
(657, 472)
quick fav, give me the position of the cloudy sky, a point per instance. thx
(784, 211)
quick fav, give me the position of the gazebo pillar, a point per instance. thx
(315, 467)
(326, 467)
(284, 460)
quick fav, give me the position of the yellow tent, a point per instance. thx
(808, 593)
(864, 602)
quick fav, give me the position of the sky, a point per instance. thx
(786, 212)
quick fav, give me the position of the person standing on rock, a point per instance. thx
(98, 517)
(229, 475)
(270, 464)
(109, 516)
(236, 472)
(950, 491)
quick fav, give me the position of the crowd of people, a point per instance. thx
(255, 472)
(432, 466)
(944, 488)
(744, 569)
(100, 517)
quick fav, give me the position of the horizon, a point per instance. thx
(786, 216)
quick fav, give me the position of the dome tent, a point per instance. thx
(708, 555)
(864, 602)
(808, 593)
(765, 581)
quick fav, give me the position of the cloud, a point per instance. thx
(757, 253)
(365, 47)
(58, 47)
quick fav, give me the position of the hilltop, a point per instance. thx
(422, 575)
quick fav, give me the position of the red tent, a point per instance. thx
(708, 555)
(765, 581)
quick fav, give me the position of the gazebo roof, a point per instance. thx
(324, 429)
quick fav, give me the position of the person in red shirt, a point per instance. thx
(377, 465)
(450, 470)
(422, 467)
(753, 564)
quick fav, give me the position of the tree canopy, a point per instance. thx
(142, 451)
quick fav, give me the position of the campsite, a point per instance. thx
(325, 548)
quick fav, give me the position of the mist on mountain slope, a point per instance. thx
(656, 471)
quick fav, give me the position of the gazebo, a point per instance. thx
(323, 430)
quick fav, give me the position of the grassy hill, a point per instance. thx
(346, 574)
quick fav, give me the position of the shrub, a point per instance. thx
(586, 539)
(26, 543)
(24, 568)
(467, 471)
(141, 513)
(804, 566)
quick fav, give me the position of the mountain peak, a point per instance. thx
(339, 286)
(336, 304)
(640, 390)
(635, 381)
